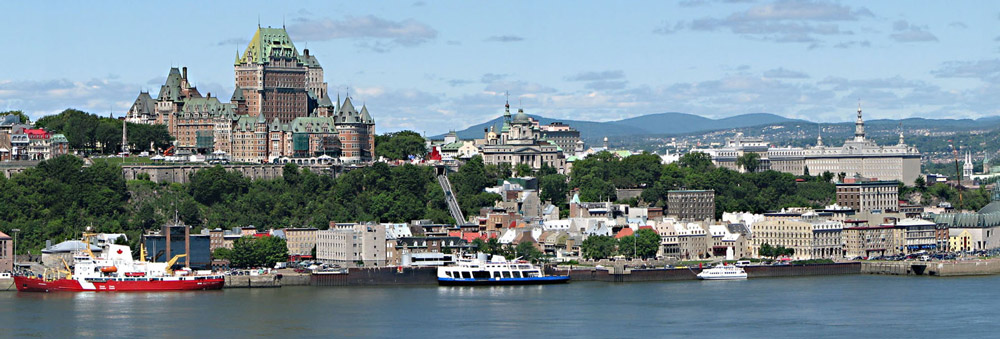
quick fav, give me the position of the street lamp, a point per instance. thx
(15, 245)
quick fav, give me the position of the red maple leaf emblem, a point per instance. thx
(119, 251)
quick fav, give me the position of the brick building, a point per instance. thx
(869, 196)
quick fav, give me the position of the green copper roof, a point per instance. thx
(266, 44)
(237, 95)
(171, 89)
(313, 125)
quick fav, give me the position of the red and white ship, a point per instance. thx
(115, 271)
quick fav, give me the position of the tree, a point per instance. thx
(479, 245)
(251, 251)
(400, 145)
(522, 170)
(647, 243)
(598, 247)
(698, 161)
(553, 188)
(920, 184)
(222, 253)
(749, 162)
(526, 250)
(766, 250)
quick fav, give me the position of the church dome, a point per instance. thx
(521, 118)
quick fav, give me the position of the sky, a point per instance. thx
(434, 66)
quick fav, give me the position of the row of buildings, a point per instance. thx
(280, 108)
(857, 156)
(20, 142)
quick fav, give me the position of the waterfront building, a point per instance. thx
(55, 255)
(300, 242)
(861, 240)
(691, 204)
(520, 142)
(683, 240)
(279, 109)
(352, 245)
(727, 244)
(6, 253)
(868, 196)
(810, 236)
(410, 247)
(914, 235)
(857, 156)
(173, 240)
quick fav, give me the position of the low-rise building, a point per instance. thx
(58, 254)
(809, 236)
(404, 250)
(914, 235)
(362, 245)
(6, 253)
(861, 240)
(300, 242)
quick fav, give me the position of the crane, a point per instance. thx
(169, 270)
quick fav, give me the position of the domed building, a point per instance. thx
(520, 142)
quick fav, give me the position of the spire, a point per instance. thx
(859, 126)
(901, 134)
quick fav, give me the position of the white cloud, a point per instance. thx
(374, 33)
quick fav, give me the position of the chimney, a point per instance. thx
(208, 95)
(306, 51)
(184, 73)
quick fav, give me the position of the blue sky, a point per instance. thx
(434, 66)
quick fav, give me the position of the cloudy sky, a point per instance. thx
(431, 66)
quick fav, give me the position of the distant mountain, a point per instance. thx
(660, 123)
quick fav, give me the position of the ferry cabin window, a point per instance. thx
(481, 274)
(506, 274)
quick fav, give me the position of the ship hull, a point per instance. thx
(558, 279)
(29, 284)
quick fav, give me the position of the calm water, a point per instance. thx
(837, 306)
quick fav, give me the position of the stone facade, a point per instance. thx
(869, 196)
(6, 253)
(352, 244)
(811, 238)
(691, 204)
(520, 142)
(300, 241)
(858, 156)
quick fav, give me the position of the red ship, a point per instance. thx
(115, 271)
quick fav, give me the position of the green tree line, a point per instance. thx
(59, 198)
(86, 131)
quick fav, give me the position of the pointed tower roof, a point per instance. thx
(171, 89)
(347, 107)
(365, 117)
(261, 119)
(237, 95)
(324, 101)
(267, 43)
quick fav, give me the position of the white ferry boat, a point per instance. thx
(725, 272)
(496, 271)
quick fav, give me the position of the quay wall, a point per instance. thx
(295, 279)
(379, 276)
(933, 268)
(248, 281)
(7, 284)
(620, 274)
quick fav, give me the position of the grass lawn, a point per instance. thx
(124, 161)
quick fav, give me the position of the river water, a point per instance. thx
(831, 306)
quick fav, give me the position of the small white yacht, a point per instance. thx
(725, 272)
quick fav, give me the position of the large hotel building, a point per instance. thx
(280, 108)
(857, 157)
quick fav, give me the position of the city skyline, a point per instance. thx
(433, 66)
